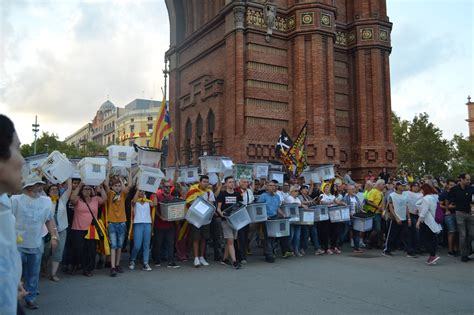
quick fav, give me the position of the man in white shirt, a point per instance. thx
(398, 223)
(414, 195)
(32, 211)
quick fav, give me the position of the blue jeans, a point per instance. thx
(141, 237)
(356, 238)
(312, 232)
(31, 272)
(117, 234)
(295, 237)
(377, 223)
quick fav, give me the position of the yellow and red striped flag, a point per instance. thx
(162, 127)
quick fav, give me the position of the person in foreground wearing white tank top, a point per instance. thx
(142, 214)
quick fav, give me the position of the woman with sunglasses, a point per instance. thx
(86, 205)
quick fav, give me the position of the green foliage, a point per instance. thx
(50, 142)
(462, 160)
(421, 147)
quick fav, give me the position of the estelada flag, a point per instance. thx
(297, 152)
(162, 127)
(283, 145)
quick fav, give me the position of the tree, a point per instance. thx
(48, 143)
(462, 159)
(421, 147)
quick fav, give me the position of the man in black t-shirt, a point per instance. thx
(225, 200)
(449, 218)
(461, 196)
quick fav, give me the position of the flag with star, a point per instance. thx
(283, 145)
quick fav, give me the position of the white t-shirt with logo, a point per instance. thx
(400, 203)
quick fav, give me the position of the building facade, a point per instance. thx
(135, 125)
(470, 117)
(240, 71)
(80, 137)
(116, 125)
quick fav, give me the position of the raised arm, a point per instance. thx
(75, 193)
(103, 195)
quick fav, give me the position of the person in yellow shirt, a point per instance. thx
(375, 205)
(116, 217)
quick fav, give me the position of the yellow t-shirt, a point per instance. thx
(376, 197)
(116, 209)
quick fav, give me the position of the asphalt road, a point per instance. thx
(344, 284)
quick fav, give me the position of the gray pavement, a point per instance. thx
(344, 284)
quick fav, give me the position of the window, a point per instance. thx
(150, 118)
(199, 127)
(150, 127)
(132, 128)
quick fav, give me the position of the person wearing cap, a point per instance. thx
(32, 211)
(11, 163)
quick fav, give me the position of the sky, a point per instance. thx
(61, 59)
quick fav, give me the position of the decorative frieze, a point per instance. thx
(341, 38)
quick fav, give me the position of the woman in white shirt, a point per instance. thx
(329, 231)
(427, 225)
(142, 214)
(59, 211)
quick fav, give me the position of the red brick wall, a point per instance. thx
(325, 63)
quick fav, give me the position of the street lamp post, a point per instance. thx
(35, 131)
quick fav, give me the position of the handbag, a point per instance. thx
(96, 224)
(439, 214)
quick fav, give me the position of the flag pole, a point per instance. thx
(166, 73)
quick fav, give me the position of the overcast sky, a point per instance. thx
(62, 59)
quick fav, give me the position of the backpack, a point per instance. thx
(439, 215)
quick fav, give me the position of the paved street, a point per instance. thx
(346, 284)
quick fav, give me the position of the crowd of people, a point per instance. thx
(80, 228)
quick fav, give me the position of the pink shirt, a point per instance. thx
(82, 216)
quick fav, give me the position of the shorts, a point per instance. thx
(229, 233)
(197, 234)
(117, 234)
(450, 223)
(57, 253)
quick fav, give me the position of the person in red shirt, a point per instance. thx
(163, 231)
(369, 177)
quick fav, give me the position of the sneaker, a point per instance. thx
(173, 265)
(203, 261)
(226, 262)
(352, 243)
(337, 250)
(197, 263)
(362, 244)
(113, 272)
(329, 252)
(131, 266)
(236, 265)
(357, 251)
(158, 264)
(319, 252)
(434, 260)
(269, 259)
(298, 254)
(287, 255)
(431, 260)
(146, 267)
(119, 269)
(243, 261)
(451, 254)
(411, 256)
(302, 252)
(387, 254)
(31, 305)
